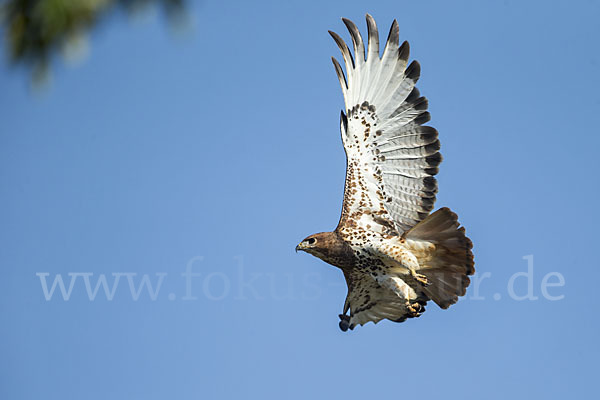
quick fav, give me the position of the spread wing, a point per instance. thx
(391, 156)
(368, 301)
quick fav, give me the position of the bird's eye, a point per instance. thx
(311, 240)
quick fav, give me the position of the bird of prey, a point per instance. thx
(394, 254)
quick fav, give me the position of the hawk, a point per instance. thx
(394, 254)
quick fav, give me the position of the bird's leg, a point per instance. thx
(397, 254)
(403, 291)
(344, 318)
(422, 279)
(344, 322)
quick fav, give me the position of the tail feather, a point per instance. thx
(452, 260)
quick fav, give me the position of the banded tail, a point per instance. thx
(451, 263)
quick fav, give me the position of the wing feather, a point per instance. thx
(373, 39)
(359, 46)
(392, 158)
(368, 301)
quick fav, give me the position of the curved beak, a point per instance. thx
(299, 247)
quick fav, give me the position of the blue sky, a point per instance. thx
(218, 150)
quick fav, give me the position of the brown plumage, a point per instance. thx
(329, 247)
(394, 254)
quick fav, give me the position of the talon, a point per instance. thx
(415, 309)
(344, 325)
(422, 279)
(345, 322)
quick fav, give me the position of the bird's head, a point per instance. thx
(311, 243)
(326, 245)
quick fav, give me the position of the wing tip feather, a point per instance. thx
(413, 71)
(344, 120)
(340, 73)
(404, 51)
(373, 35)
(423, 118)
(393, 36)
(357, 40)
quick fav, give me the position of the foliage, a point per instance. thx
(36, 29)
